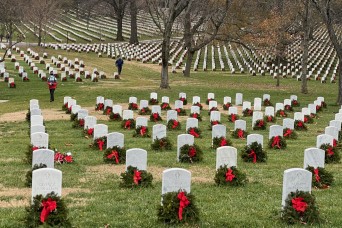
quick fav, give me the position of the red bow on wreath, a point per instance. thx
(183, 203)
(194, 115)
(109, 110)
(193, 132)
(192, 152)
(229, 175)
(269, 118)
(143, 130)
(165, 105)
(233, 117)
(276, 142)
(142, 110)
(298, 204)
(288, 133)
(136, 177)
(300, 124)
(178, 110)
(128, 124)
(35, 148)
(240, 133)
(330, 151)
(81, 122)
(253, 154)
(223, 142)
(49, 206)
(334, 143)
(100, 143)
(134, 106)
(100, 106)
(90, 131)
(114, 154)
(305, 119)
(58, 157)
(317, 177)
(182, 98)
(282, 113)
(261, 123)
(214, 123)
(175, 124)
(155, 116)
(68, 158)
(317, 107)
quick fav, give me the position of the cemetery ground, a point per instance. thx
(91, 187)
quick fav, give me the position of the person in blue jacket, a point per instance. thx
(119, 63)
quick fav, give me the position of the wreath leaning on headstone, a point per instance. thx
(161, 144)
(254, 153)
(190, 153)
(320, 177)
(115, 155)
(134, 178)
(221, 141)
(289, 134)
(277, 142)
(230, 176)
(173, 125)
(332, 155)
(99, 143)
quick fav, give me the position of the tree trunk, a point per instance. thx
(278, 78)
(119, 36)
(164, 83)
(188, 63)
(305, 44)
(39, 34)
(339, 75)
(187, 42)
(134, 27)
(11, 34)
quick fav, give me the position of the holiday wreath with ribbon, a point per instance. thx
(196, 115)
(133, 106)
(145, 111)
(128, 124)
(185, 101)
(134, 178)
(254, 153)
(320, 177)
(190, 153)
(115, 117)
(233, 117)
(239, 133)
(230, 176)
(227, 106)
(141, 132)
(300, 125)
(115, 155)
(165, 106)
(267, 102)
(100, 143)
(259, 125)
(194, 131)
(332, 154)
(213, 123)
(155, 117)
(221, 141)
(181, 111)
(277, 142)
(173, 125)
(247, 112)
(161, 144)
(289, 134)
(281, 113)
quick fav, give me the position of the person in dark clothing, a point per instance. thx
(119, 63)
(52, 83)
(8, 37)
(1, 37)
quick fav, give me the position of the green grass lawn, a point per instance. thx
(91, 187)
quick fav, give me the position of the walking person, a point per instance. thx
(119, 63)
(52, 82)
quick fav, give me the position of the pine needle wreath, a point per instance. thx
(313, 115)
(233, 117)
(300, 126)
(324, 105)
(230, 176)
(190, 153)
(99, 107)
(221, 141)
(78, 123)
(115, 155)
(259, 125)
(213, 109)
(320, 177)
(65, 107)
(300, 207)
(88, 132)
(196, 115)
(128, 124)
(173, 125)
(134, 178)
(267, 102)
(57, 218)
(153, 101)
(168, 211)
(319, 108)
(185, 101)
(295, 103)
(181, 111)
(155, 117)
(141, 132)
(115, 117)
(227, 106)
(161, 144)
(28, 116)
(198, 104)
(277, 142)
(289, 134)
(145, 111)
(29, 152)
(213, 123)
(208, 100)
(132, 106)
(281, 113)
(107, 111)
(73, 116)
(332, 155)
(270, 119)
(254, 153)
(308, 119)
(239, 134)
(247, 112)
(288, 108)
(99, 143)
(165, 106)
(194, 131)
(28, 182)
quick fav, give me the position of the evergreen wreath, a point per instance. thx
(221, 141)
(49, 210)
(142, 132)
(320, 177)
(313, 115)
(277, 142)
(134, 178)
(153, 101)
(212, 109)
(295, 103)
(181, 111)
(99, 107)
(267, 102)
(185, 101)
(68, 111)
(247, 112)
(324, 105)
(270, 119)
(155, 117)
(73, 116)
(233, 117)
(227, 106)
(88, 131)
(254, 153)
(178, 207)
(173, 125)
(115, 117)
(196, 115)
(319, 108)
(230, 176)
(28, 115)
(198, 104)
(28, 182)
(288, 108)
(259, 125)
(332, 155)
(161, 144)
(208, 100)
(308, 119)
(133, 106)
(289, 134)
(128, 124)
(194, 131)
(78, 123)
(190, 153)
(281, 113)
(115, 155)
(65, 107)
(239, 133)
(213, 123)
(100, 143)
(107, 111)
(165, 106)
(300, 207)
(300, 126)
(145, 111)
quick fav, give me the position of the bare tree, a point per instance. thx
(118, 12)
(164, 19)
(134, 26)
(331, 14)
(208, 18)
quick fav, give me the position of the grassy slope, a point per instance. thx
(102, 201)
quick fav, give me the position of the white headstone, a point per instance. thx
(176, 179)
(312, 108)
(266, 96)
(255, 138)
(43, 156)
(158, 131)
(156, 109)
(89, 122)
(45, 181)
(117, 109)
(143, 104)
(219, 131)
(182, 140)
(108, 103)
(165, 100)
(269, 111)
(279, 106)
(226, 155)
(141, 121)
(306, 111)
(227, 100)
(287, 102)
(100, 99)
(100, 130)
(36, 120)
(195, 109)
(115, 139)
(294, 97)
(298, 116)
(288, 123)
(137, 158)
(232, 110)
(171, 115)
(34, 102)
(212, 104)
(338, 116)
(333, 131)
(246, 105)
(275, 130)
(324, 139)
(191, 122)
(127, 114)
(257, 104)
(196, 99)
(314, 157)
(154, 95)
(37, 128)
(82, 114)
(133, 100)
(215, 116)
(40, 139)
(257, 116)
(75, 109)
(238, 99)
(335, 123)
(36, 111)
(211, 96)
(178, 104)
